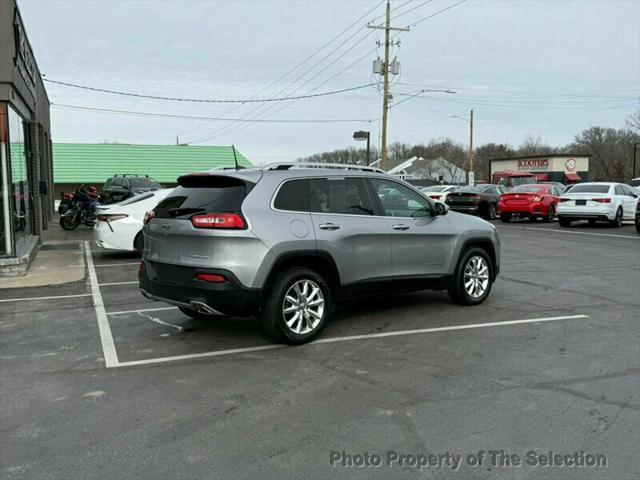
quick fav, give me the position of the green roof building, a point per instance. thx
(93, 163)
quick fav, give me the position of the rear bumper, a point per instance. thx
(472, 209)
(531, 209)
(586, 213)
(177, 285)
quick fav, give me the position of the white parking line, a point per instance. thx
(108, 347)
(574, 233)
(142, 310)
(115, 264)
(218, 353)
(45, 298)
(111, 284)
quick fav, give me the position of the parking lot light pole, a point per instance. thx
(363, 135)
(470, 122)
(635, 154)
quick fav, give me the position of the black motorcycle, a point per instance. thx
(77, 210)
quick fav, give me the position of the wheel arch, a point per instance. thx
(485, 244)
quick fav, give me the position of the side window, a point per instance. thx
(117, 182)
(620, 190)
(108, 183)
(400, 201)
(293, 196)
(346, 196)
(629, 191)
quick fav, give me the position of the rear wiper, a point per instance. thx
(178, 212)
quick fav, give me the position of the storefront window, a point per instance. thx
(5, 205)
(21, 196)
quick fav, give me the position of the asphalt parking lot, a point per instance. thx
(101, 383)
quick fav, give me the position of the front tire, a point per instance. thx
(473, 279)
(297, 306)
(70, 222)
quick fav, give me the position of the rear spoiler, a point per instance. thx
(206, 180)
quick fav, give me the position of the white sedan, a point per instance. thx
(598, 201)
(438, 193)
(120, 224)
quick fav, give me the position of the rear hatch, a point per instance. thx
(463, 198)
(519, 199)
(201, 222)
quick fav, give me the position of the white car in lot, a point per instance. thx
(119, 225)
(597, 201)
(438, 193)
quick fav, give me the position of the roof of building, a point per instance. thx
(96, 162)
(549, 155)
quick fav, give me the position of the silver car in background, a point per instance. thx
(289, 241)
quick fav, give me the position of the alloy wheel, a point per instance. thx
(476, 276)
(303, 306)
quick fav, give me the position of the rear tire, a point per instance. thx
(564, 222)
(70, 222)
(617, 222)
(551, 215)
(138, 243)
(473, 278)
(297, 306)
(492, 212)
(505, 217)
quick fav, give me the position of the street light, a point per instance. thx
(361, 135)
(635, 152)
(470, 122)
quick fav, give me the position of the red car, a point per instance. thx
(531, 201)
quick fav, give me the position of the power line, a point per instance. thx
(291, 70)
(195, 117)
(434, 14)
(195, 100)
(411, 9)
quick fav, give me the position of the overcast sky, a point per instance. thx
(548, 68)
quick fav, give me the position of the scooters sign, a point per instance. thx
(532, 164)
(570, 164)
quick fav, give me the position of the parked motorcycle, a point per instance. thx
(79, 208)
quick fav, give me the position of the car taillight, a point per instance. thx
(141, 268)
(537, 198)
(111, 217)
(210, 278)
(436, 197)
(218, 220)
(602, 200)
(148, 216)
(563, 199)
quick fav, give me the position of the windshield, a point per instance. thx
(586, 188)
(635, 182)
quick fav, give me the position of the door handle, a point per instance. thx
(400, 227)
(329, 226)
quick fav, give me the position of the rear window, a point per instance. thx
(527, 189)
(590, 189)
(435, 188)
(204, 194)
(515, 181)
(137, 198)
(143, 182)
(470, 189)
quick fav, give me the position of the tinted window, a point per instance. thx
(205, 195)
(435, 188)
(469, 189)
(400, 201)
(143, 182)
(347, 196)
(293, 196)
(117, 182)
(587, 188)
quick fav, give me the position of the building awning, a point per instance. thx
(572, 178)
(541, 177)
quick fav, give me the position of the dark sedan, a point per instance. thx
(479, 200)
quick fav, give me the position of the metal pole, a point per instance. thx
(368, 148)
(385, 96)
(471, 165)
(635, 154)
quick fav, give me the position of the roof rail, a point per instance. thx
(131, 175)
(337, 166)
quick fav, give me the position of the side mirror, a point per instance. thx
(441, 208)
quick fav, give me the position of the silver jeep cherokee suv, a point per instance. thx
(289, 241)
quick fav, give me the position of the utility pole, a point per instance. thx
(635, 151)
(385, 96)
(472, 175)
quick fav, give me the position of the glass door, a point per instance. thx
(21, 196)
(6, 242)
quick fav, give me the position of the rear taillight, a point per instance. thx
(141, 268)
(601, 200)
(537, 198)
(148, 216)
(218, 220)
(563, 199)
(436, 197)
(111, 217)
(210, 278)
